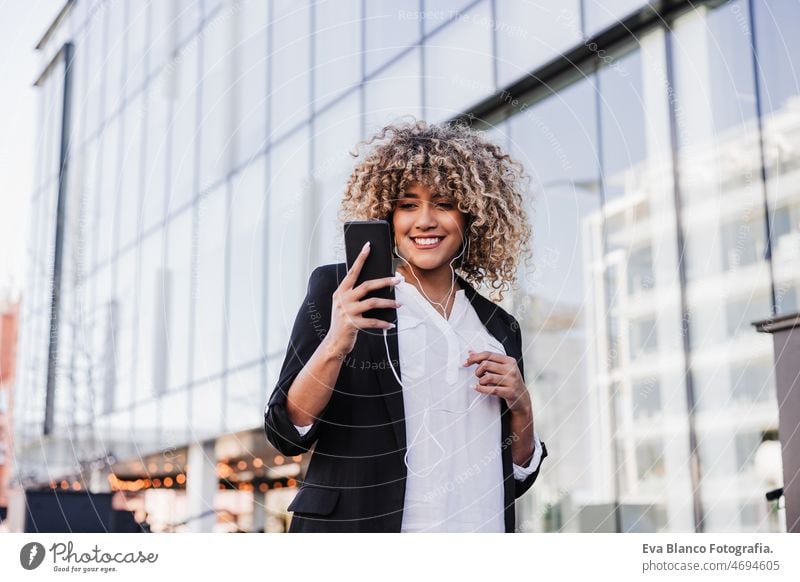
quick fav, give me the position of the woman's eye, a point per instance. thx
(445, 205)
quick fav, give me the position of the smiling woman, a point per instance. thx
(466, 174)
(428, 229)
(429, 425)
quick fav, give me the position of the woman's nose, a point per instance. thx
(427, 216)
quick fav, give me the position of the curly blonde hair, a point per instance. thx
(486, 183)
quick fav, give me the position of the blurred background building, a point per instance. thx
(9, 322)
(190, 163)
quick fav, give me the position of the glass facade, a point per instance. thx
(207, 152)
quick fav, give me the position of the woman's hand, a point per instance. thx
(348, 307)
(499, 375)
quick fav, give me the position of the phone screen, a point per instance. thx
(379, 261)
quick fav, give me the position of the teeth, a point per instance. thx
(427, 241)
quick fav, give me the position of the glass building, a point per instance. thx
(190, 161)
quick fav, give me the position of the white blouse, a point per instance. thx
(453, 433)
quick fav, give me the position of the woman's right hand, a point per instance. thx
(348, 307)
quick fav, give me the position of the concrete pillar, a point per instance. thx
(259, 511)
(201, 487)
(785, 332)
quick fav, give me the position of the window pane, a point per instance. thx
(114, 54)
(243, 408)
(601, 14)
(178, 288)
(291, 62)
(727, 278)
(337, 49)
(186, 16)
(131, 172)
(210, 288)
(251, 86)
(642, 324)
(555, 140)
(246, 297)
(219, 68)
(394, 92)
(161, 34)
(392, 25)
(91, 203)
(109, 185)
(95, 55)
(206, 403)
(151, 355)
(183, 88)
(157, 150)
(779, 70)
(459, 64)
(124, 329)
(437, 14)
(174, 410)
(336, 132)
(289, 219)
(137, 22)
(532, 33)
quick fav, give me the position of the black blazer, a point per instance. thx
(356, 476)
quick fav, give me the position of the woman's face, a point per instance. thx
(428, 227)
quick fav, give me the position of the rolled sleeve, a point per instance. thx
(303, 430)
(521, 485)
(521, 473)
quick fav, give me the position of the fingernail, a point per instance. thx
(392, 326)
(397, 280)
(398, 304)
(365, 247)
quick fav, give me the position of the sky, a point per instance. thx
(22, 24)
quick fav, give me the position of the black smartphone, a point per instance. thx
(379, 261)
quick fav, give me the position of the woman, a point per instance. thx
(426, 424)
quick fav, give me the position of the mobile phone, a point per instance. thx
(379, 260)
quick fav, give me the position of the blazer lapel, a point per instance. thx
(493, 322)
(392, 391)
(489, 314)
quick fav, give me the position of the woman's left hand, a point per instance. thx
(499, 375)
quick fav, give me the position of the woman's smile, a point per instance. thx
(427, 242)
